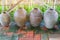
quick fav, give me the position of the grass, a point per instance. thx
(58, 10)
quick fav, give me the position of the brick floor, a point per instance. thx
(54, 36)
(29, 35)
(37, 37)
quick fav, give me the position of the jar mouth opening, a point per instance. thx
(35, 8)
(20, 8)
(51, 8)
(4, 12)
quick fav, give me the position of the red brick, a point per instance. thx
(5, 28)
(21, 32)
(30, 34)
(37, 37)
(8, 33)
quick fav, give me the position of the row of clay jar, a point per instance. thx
(50, 18)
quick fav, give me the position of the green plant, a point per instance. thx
(28, 8)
